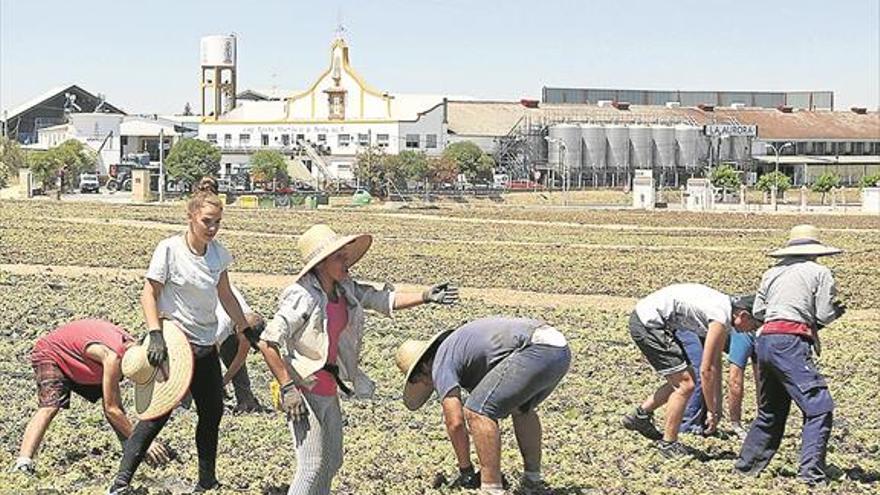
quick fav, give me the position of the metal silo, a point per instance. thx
(594, 146)
(664, 143)
(687, 137)
(641, 154)
(570, 134)
(618, 146)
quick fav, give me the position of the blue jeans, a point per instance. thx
(695, 411)
(788, 374)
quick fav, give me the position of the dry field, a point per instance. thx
(579, 269)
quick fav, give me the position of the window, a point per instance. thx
(265, 139)
(285, 139)
(300, 137)
(819, 148)
(382, 140)
(801, 148)
(322, 138)
(123, 140)
(212, 138)
(344, 139)
(244, 139)
(363, 139)
(227, 140)
(430, 141)
(876, 148)
(412, 141)
(858, 148)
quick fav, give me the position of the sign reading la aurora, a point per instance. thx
(723, 130)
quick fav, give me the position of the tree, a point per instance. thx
(825, 183)
(44, 165)
(75, 158)
(726, 177)
(12, 158)
(870, 180)
(269, 165)
(441, 169)
(471, 160)
(369, 169)
(766, 182)
(192, 159)
(413, 165)
(395, 170)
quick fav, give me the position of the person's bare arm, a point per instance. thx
(150, 303)
(276, 364)
(238, 360)
(710, 372)
(112, 397)
(404, 300)
(230, 303)
(456, 428)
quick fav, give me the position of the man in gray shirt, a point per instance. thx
(796, 298)
(508, 366)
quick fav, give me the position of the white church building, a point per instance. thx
(320, 129)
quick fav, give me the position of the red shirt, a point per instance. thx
(787, 327)
(337, 320)
(66, 347)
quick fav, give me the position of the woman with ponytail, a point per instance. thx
(184, 282)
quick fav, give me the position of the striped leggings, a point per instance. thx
(318, 446)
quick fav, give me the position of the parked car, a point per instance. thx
(523, 184)
(88, 182)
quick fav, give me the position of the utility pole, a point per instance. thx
(161, 165)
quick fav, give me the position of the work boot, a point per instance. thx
(642, 422)
(202, 489)
(739, 431)
(529, 487)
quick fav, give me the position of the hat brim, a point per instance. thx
(356, 245)
(416, 394)
(805, 250)
(159, 395)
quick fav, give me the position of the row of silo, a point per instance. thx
(614, 146)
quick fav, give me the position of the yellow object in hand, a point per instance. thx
(275, 392)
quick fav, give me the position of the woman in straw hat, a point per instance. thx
(320, 325)
(796, 298)
(186, 278)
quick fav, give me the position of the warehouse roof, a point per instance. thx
(498, 118)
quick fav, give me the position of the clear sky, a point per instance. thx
(144, 55)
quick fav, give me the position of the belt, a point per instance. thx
(334, 371)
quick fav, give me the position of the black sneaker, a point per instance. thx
(673, 450)
(642, 424)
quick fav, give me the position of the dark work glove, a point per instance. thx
(157, 351)
(444, 293)
(293, 403)
(251, 335)
(467, 478)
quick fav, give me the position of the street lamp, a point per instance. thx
(776, 151)
(561, 158)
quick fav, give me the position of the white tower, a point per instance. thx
(218, 74)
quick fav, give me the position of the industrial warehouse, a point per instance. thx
(570, 138)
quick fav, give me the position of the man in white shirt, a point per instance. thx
(708, 313)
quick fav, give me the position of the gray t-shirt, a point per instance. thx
(468, 353)
(189, 293)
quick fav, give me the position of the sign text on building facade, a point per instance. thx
(724, 130)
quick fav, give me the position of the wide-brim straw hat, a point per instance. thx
(408, 357)
(320, 241)
(158, 390)
(804, 241)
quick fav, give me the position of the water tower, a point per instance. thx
(218, 61)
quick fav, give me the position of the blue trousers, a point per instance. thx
(695, 412)
(788, 374)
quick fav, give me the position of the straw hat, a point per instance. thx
(158, 390)
(408, 357)
(320, 241)
(804, 241)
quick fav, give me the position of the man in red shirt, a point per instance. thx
(84, 357)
